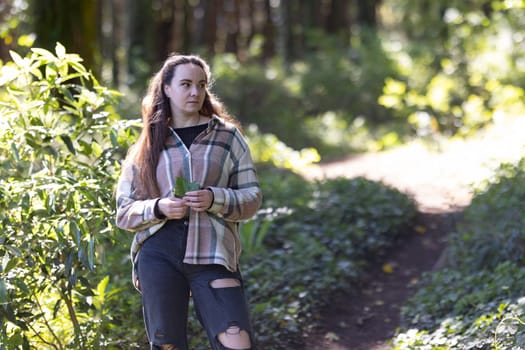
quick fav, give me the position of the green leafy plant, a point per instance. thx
(252, 235)
(59, 152)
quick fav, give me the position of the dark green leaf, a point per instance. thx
(14, 250)
(69, 144)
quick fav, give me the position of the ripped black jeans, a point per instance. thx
(166, 283)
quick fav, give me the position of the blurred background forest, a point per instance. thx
(337, 75)
(309, 80)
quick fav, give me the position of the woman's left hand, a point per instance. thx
(200, 200)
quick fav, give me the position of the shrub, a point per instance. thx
(477, 302)
(58, 153)
(493, 230)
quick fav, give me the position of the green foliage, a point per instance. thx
(461, 76)
(477, 301)
(320, 237)
(369, 214)
(493, 230)
(460, 311)
(283, 188)
(267, 148)
(288, 102)
(255, 94)
(58, 158)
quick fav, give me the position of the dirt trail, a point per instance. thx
(437, 179)
(441, 184)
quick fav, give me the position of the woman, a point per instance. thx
(190, 243)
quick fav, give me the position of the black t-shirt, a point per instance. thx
(189, 133)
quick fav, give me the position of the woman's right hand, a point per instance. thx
(173, 207)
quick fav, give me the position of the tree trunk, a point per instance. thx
(367, 12)
(231, 14)
(288, 23)
(177, 27)
(114, 40)
(73, 23)
(269, 32)
(209, 36)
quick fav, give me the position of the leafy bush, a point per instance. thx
(456, 310)
(477, 302)
(59, 151)
(493, 230)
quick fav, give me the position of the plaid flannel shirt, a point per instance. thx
(219, 159)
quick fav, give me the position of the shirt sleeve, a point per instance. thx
(243, 197)
(133, 214)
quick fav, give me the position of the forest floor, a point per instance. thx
(441, 182)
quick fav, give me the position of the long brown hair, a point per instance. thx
(156, 117)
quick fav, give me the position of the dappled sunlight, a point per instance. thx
(268, 149)
(378, 130)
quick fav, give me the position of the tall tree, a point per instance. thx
(164, 16)
(269, 31)
(74, 23)
(290, 29)
(141, 47)
(367, 12)
(338, 20)
(231, 19)
(179, 27)
(209, 27)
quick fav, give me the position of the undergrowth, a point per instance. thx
(478, 300)
(320, 238)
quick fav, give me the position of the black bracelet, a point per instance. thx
(212, 197)
(157, 212)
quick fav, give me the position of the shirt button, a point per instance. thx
(186, 222)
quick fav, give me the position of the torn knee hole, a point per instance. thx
(235, 338)
(168, 347)
(225, 283)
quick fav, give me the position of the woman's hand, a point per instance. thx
(199, 200)
(173, 207)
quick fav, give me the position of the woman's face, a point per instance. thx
(186, 90)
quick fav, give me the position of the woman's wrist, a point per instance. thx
(156, 210)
